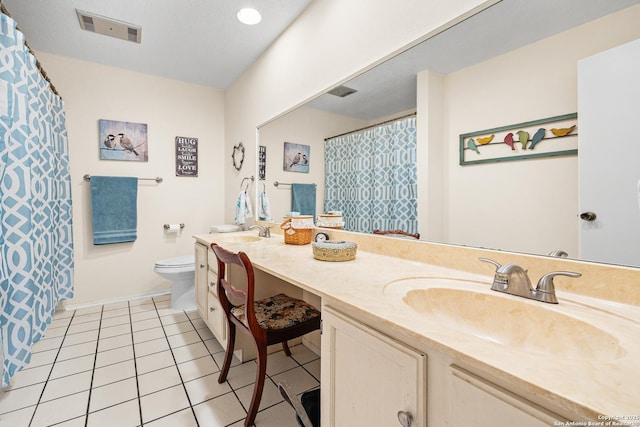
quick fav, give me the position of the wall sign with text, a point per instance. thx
(186, 156)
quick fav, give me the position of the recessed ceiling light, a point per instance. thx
(249, 16)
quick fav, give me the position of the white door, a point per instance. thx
(609, 155)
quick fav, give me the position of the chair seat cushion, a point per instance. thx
(279, 312)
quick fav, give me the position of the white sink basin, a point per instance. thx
(241, 239)
(518, 324)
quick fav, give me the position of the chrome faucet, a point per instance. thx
(513, 279)
(264, 231)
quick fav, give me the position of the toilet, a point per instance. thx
(181, 272)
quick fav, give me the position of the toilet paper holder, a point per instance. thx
(167, 226)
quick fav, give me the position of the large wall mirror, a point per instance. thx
(512, 63)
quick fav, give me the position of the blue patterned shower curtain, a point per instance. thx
(371, 176)
(36, 244)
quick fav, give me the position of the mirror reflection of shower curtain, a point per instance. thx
(36, 242)
(371, 176)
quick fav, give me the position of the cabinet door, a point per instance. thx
(367, 377)
(479, 403)
(201, 279)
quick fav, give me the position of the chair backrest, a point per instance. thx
(397, 233)
(226, 290)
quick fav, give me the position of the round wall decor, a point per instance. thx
(238, 156)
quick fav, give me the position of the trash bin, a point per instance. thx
(307, 407)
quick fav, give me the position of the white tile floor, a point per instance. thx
(141, 363)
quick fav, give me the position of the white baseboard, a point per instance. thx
(69, 305)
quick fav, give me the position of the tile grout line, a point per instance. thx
(135, 363)
(52, 366)
(93, 371)
(184, 387)
(219, 369)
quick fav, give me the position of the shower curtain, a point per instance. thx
(371, 176)
(36, 244)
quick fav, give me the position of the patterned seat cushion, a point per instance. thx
(279, 312)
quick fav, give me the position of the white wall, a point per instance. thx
(307, 126)
(331, 42)
(498, 205)
(169, 108)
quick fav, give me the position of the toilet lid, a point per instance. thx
(181, 261)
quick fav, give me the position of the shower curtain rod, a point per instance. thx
(372, 126)
(38, 64)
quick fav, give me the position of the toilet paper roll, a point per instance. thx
(173, 228)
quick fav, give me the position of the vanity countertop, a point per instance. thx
(372, 287)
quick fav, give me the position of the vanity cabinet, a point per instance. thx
(210, 309)
(367, 377)
(207, 301)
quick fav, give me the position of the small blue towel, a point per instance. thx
(303, 199)
(114, 209)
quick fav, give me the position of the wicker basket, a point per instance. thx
(296, 236)
(334, 250)
(331, 221)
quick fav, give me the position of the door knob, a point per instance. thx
(588, 216)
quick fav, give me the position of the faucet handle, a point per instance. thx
(490, 261)
(547, 287)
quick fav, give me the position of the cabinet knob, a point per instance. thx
(212, 309)
(405, 418)
(202, 266)
(211, 284)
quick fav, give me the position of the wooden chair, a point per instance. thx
(397, 233)
(272, 320)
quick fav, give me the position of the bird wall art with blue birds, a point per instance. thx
(553, 136)
(296, 157)
(123, 141)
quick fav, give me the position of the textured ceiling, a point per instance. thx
(202, 42)
(198, 42)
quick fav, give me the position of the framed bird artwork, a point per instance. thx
(123, 141)
(296, 157)
(549, 137)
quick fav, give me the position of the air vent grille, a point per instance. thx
(109, 27)
(342, 91)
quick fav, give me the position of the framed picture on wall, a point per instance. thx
(296, 157)
(123, 141)
(549, 137)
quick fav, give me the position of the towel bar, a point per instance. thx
(276, 183)
(157, 179)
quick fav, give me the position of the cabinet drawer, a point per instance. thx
(212, 281)
(479, 403)
(217, 320)
(212, 260)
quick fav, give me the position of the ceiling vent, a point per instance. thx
(342, 91)
(109, 27)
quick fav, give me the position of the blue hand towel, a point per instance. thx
(114, 209)
(303, 199)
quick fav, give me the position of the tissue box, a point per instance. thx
(334, 250)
